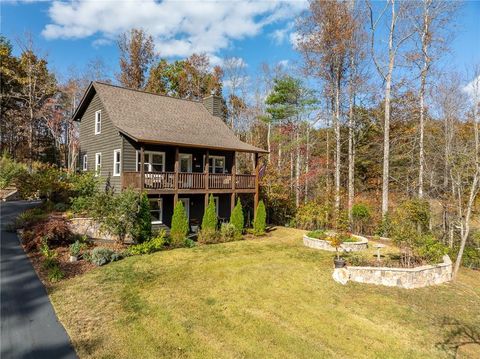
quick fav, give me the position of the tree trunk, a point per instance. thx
(307, 159)
(269, 129)
(297, 170)
(423, 80)
(337, 141)
(351, 156)
(386, 132)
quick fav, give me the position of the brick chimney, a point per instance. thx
(214, 105)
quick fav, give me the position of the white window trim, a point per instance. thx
(85, 163)
(137, 154)
(98, 120)
(97, 163)
(160, 200)
(119, 162)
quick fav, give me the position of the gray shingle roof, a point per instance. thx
(148, 117)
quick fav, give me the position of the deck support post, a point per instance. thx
(175, 197)
(257, 186)
(206, 171)
(142, 168)
(234, 180)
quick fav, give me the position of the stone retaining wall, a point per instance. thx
(90, 228)
(397, 277)
(326, 246)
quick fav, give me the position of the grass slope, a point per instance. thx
(269, 297)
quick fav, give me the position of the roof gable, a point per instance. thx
(147, 117)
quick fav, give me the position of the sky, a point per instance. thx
(72, 33)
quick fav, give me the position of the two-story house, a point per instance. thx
(174, 149)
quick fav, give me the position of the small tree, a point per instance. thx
(143, 230)
(236, 218)
(260, 222)
(179, 230)
(209, 221)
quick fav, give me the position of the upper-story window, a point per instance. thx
(98, 122)
(85, 164)
(117, 159)
(98, 163)
(153, 161)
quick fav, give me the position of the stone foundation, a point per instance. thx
(326, 246)
(409, 278)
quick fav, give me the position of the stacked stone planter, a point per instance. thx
(326, 246)
(397, 277)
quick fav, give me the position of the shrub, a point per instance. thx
(55, 274)
(346, 237)
(179, 230)
(82, 204)
(101, 256)
(60, 207)
(30, 217)
(154, 244)
(260, 221)
(210, 220)
(55, 230)
(190, 243)
(470, 258)
(342, 223)
(318, 234)
(143, 229)
(84, 184)
(312, 215)
(47, 181)
(361, 215)
(430, 249)
(76, 248)
(208, 236)
(385, 227)
(228, 232)
(237, 219)
(10, 170)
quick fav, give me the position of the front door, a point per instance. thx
(186, 205)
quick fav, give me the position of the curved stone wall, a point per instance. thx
(397, 277)
(326, 246)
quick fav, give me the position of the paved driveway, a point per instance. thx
(29, 326)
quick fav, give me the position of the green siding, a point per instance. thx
(106, 142)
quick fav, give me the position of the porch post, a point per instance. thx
(206, 172)
(142, 168)
(257, 185)
(234, 180)
(175, 197)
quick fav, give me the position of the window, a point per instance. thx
(85, 164)
(154, 161)
(98, 122)
(156, 210)
(98, 163)
(117, 162)
(216, 164)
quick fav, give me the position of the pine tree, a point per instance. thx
(179, 229)
(144, 224)
(260, 222)
(236, 218)
(209, 221)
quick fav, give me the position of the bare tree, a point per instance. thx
(136, 54)
(397, 36)
(324, 36)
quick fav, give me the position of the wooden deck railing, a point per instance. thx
(245, 181)
(194, 181)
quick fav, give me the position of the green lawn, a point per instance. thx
(264, 298)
